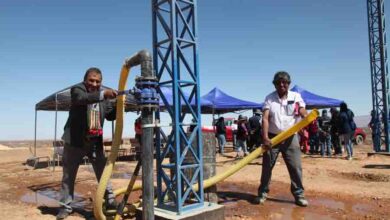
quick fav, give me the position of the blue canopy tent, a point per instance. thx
(218, 102)
(316, 101)
(167, 91)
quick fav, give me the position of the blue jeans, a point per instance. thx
(326, 143)
(241, 144)
(314, 143)
(348, 143)
(221, 142)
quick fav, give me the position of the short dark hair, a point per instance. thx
(281, 75)
(94, 70)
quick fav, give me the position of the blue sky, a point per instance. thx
(47, 45)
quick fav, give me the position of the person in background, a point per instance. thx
(334, 131)
(83, 136)
(282, 109)
(242, 135)
(192, 126)
(347, 128)
(304, 140)
(138, 130)
(374, 125)
(234, 133)
(314, 140)
(220, 133)
(325, 138)
(255, 130)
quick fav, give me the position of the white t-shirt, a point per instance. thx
(283, 112)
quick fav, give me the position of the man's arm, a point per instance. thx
(81, 97)
(265, 126)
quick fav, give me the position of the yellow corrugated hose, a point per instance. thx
(246, 160)
(98, 203)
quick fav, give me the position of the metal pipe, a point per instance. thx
(145, 59)
(55, 121)
(55, 137)
(142, 57)
(35, 135)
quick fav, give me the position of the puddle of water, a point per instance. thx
(332, 204)
(287, 211)
(329, 203)
(50, 198)
(361, 208)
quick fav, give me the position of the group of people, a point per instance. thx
(246, 133)
(326, 134)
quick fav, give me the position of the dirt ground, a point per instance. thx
(335, 188)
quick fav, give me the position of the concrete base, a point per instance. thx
(210, 211)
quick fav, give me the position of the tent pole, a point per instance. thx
(35, 135)
(55, 136)
(55, 123)
(112, 130)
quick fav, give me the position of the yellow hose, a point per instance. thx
(259, 151)
(98, 204)
(246, 160)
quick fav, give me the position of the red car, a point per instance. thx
(229, 123)
(359, 136)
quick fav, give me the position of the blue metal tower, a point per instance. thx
(175, 57)
(379, 74)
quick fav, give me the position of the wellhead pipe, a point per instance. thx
(144, 59)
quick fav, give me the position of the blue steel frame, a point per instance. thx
(174, 36)
(379, 73)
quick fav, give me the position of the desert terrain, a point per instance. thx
(335, 187)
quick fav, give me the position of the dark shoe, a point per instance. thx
(260, 199)
(62, 214)
(301, 201)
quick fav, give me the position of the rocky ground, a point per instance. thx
(335, 188)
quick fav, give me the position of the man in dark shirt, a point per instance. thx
(83, 135)
(254, 130)
(334, 131)
(221, 134)
(325, 138)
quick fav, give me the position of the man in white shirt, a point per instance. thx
(282, 109)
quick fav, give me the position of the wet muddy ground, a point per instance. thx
(238, 201)
(335, 188)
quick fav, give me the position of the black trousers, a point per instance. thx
(291, 153)
(336, 143)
